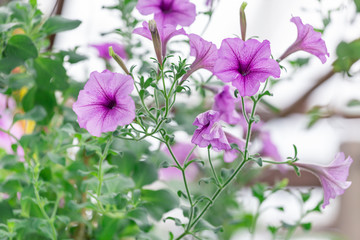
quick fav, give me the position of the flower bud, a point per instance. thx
(243, 21)
(156, 40)
(118, 59)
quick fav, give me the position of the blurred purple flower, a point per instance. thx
(172, 12)
(270, 150)
(6, 102)
(105, 104)
(308, 40)
(332, 177)
(225, 105)
(103, 50)
(18, 195)
(6, 141)
(166, 33)
(205, 54)
(210, 131)
(181, 151)
(245, 64)
(4, 196)
(232, 154)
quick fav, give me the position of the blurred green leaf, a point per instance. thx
(50, 74)
(59, 24)
(21, 46)
(38, 113)
(159, 202)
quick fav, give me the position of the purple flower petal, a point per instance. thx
(105, 104)
(166, 33)
(210, 131)
(103, 50)
(225, 104)
(332, 177)
(232, 154)
(174, 12)
(308, 40)
(245, 64)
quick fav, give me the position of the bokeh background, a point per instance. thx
(336, 130)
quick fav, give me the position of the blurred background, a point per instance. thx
(316, 113)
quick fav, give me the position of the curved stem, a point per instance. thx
(212, 168)
(185, 182)
(232, 177)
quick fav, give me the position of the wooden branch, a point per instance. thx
(300, 105)
(57, 10)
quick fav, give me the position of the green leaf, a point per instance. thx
(37, 114)
(144, 173)
(305, 196)
(116, 183)
(258, 191)
(73, 56)
(8, 63)
(21, 46)
(226, 173)
(306, 226)
(56, 158)
(353, 103)
(7, 26)
(140, 217)
(159, 202)
(50, 74)
(59, 24)
(357, 4)
(348, 54)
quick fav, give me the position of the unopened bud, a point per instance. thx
(156, 40)
(118, 59)
(243, 21)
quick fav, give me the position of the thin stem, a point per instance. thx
(232, 177)
(244, 110)
(41, 207)
(100, 172)
(185, 184)
(189, 155)
(212, 168)
(273, 162)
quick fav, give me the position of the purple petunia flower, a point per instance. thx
(166, 33)
(210, 131)
(105, 104)
(232, 154)
(205, 54)
(332, 177)
(103, 50)
(225, 104)
(181, 151)
(245, 64)
(308, 40)
(172, 12)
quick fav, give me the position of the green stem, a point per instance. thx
(100, 172)
(232, 177)
(212, 168)
(42, 209)
(185, 182)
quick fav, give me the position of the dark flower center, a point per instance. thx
(244, 70)
(110, 104)
(166, 6)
